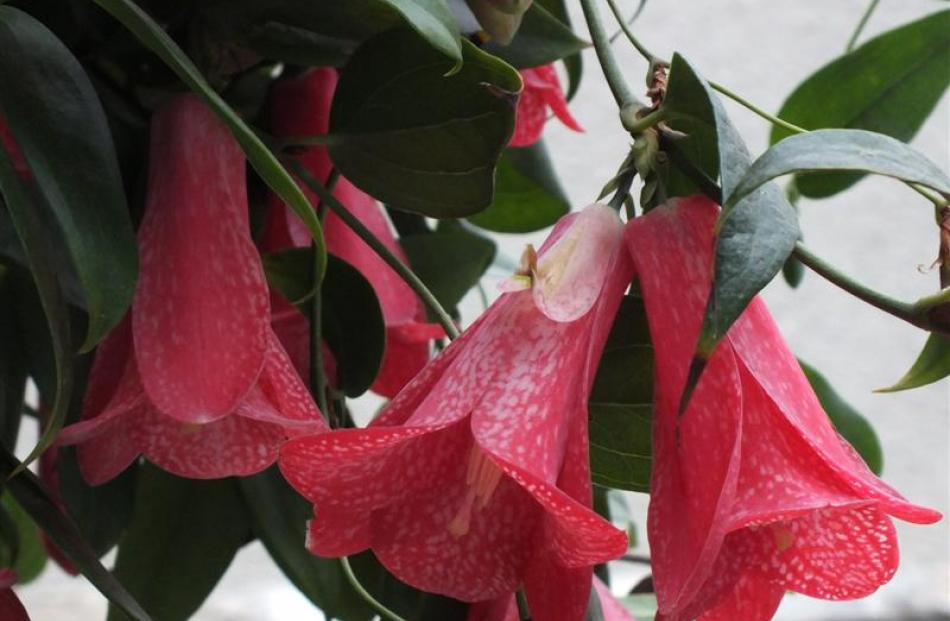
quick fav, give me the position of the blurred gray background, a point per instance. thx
(880, 232)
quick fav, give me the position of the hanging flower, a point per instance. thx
(753, 492)
(475, 479)
(506, 608)
(542, 92)
(11, 608)
(194, 378)
(301, 106)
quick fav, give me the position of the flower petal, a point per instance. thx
(752, 599)
(555, 592)
(200, 314)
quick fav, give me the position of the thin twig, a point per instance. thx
(861, 24)
(318, 376)
(386, 613)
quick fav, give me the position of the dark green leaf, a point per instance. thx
(528, 195)
(62, 531)
(932, 365)
(258, 155)
(183, 536)
(888, 85)
(848, 421)
(433, 20)
(23, 209)
(839, 149)
(279, 517)
(401, 598)
(574, 64)
(760, 234)
(541, 39)
(13, 367)
(299, 46)
(620, 404)
(353, 326)
(58, 122)
(103, 512)
(499, 18)
(449, 262)
(415, 138)
(30, 553)
(290, 272)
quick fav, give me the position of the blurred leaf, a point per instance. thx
(30, 553)
(890, 85)
(279, 516)
(13, 368)
(183, 536)
(23, 210)
(258, 155)
(500, 18)
(932, 365)
(528, 195)
(642, 606)
(839, 149)
(401, 598)
(761, 232)
(101, 512)
(299, 46)
(353, 326)
(59, 124)
(289, 271)
(62, 531)
(415, 138)
(574, 63)
(541, 39)
(848, 421)
(449, 262)
(595, 612)
(620, 404)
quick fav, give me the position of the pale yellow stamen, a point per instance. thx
(482, 479)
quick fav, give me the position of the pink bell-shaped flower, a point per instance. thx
(194, 378)
(475, 481)
(753, 491)
(542, 92)
(506, 608)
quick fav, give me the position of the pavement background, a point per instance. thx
(879, 231)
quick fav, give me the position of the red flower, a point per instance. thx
(195, 379)
(11, 609)
(475, 478)
(542, 92)
(301, 106)
(753, 491)
(506, 609)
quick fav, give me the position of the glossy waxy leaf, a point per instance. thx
(13, 367)
(620, 404)
(29, 556)
(59, 124)
(839, 149)
(152, 36)
(762, 229)
(182, 538)
(415, 138)
(500, 18)
(890, 85)
(574, 64)
(449, 261)
(932, 365)
(541, 39)
(62, 531)
(278, 515)
(528, 195)
(848, 421)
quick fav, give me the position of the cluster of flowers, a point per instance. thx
(474, 480)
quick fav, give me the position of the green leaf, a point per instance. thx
(761, 232)
(258, 155)
(62, 531)
(500, 18)
(13, 367)
(839, 149)
(22, 206)
(932, 365)
(415, 138)
(432, 19)
(59, 124)
(620, 404)
(279, 516)
(30, 552)
(299, 46)
(848, 421)
(528, 195)
(401, 598)
(449, 262)
(541, 39)
(101, 512)
(890, 85)
(353, 326)
(289, 271)
(182, 538)
(642, 606)
(574, 64)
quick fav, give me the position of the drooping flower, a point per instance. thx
(301, 106)
(11, 608)
(506, 608)
(753, 491)
(475, 479)
(194, 378)
(542, 92)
